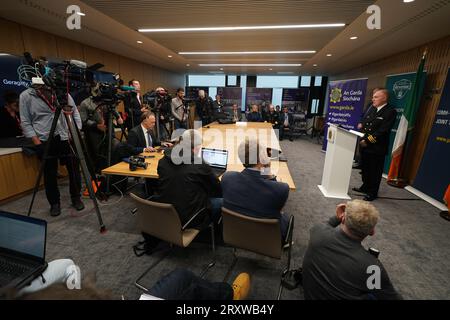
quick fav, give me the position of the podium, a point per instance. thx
(338, 162)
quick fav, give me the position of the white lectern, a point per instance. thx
(338, 162)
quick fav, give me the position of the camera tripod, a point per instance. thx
(110, 111)
(75, 134)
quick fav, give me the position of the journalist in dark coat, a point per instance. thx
(254, 191)
(188, 183)
(376, 126)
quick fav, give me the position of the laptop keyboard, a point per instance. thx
(12, 268)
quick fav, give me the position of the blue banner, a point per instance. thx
(345, 104)
(9, 76)
(433, 176)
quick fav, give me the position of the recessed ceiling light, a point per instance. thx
(139, 41)
(221, 68)
(314, 65)
(270, 69)
(408, 1)
(250, 65)
(353, 38)
(81, 14)
(329, 55)
(169, 56)
(243, 52)
(293, 26)
(188, 65)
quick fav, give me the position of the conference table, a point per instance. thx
(222, 137)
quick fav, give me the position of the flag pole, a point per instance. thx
(397, 170)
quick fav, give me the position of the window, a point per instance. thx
(276, 81)
(206, 81)
(306, 81)
(315, 106)
(231, 80)
(277, 96)
(318, 81)
(244, 90)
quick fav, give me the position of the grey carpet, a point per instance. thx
(413, 239)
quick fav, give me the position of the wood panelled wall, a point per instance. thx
(437, 65)
(17, 38)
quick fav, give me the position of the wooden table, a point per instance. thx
(219, 136)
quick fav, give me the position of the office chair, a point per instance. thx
(262, 236)
(162, 221)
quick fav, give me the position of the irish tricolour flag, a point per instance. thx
(406, 124)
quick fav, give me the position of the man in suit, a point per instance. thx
(254, 191)
(236, 113)
(286, 122)
(133, 105)
(377, 125)
(254, 116)
(142, 137)
(187, 181)
(272, 117)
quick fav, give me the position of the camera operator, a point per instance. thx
(95, 128)
(179, 111)
(37, 110)
(163, 108)
(204, 107)
(133, 105)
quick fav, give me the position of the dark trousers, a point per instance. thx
(372, 170)
(283, 133)
(181, 284)
(62, 150)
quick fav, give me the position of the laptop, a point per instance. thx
(22, 249)
(217, 160)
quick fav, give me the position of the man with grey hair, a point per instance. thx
(337, 266)
(376, 126)
(254, 191)
(204, 107)
(187, 182)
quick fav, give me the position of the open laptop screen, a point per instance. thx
(23, 234)
(215, 157)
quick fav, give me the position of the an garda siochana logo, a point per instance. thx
(335, 95)
(401, 88)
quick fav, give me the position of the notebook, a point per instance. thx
(22, 249)
(217, 159)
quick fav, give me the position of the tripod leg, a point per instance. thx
(84, 169)
(44, 158)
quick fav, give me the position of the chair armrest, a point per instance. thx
(192, 218)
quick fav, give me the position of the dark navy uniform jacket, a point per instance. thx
(377, 127)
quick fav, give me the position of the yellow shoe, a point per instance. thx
(241, 286)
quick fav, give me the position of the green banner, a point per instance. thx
(399, 86)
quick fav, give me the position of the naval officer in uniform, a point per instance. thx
(376, 126)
